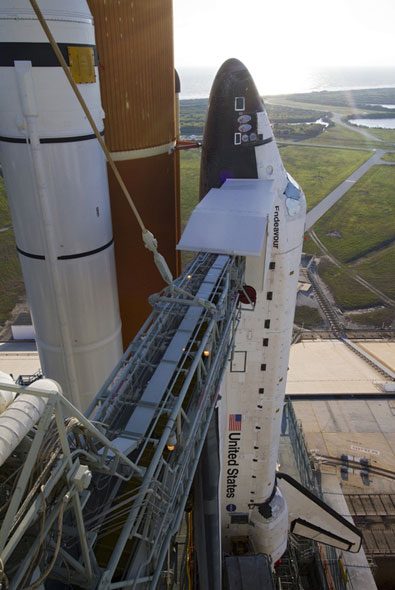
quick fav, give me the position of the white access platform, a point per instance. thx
(231, 219)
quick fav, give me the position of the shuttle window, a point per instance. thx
(245, 128)
(244, 119)
(272, 265)
(266, 342)
(240, 103)
(269, 295)
(291, 179)
(262, 389)
(267, 323)
(293, 190)
(239, 362)
(239, 519)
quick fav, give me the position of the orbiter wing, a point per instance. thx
(310, 517)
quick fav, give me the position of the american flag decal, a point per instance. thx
(235, 421)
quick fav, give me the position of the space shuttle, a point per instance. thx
(243, 179)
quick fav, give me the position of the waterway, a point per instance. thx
(378, 123)
(385, 106)
(317, 122)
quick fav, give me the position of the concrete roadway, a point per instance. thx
(338, 120)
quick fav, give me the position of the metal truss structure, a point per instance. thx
(98, 498)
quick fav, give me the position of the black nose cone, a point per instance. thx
(231, 131)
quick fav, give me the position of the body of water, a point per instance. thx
(380, 123)
(196, 82)
(317, 122)
(385, 106)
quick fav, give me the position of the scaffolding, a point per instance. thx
(99, 498)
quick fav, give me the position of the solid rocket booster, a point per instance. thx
(239, 144)
(56, 181)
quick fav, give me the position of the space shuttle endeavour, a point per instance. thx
(252, 207)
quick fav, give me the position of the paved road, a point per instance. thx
(338, 120)
(326, 203)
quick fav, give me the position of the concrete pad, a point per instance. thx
(316, 442)
(305, 411)
(344, 416)
(329, 367)
(372, 446)
(357, 428)
(384, 352)
(383, 411)
(19, 358)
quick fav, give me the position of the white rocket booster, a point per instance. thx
(56, 181)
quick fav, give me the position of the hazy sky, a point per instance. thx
(279, 33)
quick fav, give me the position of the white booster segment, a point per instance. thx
(56, 181)
(21, 415)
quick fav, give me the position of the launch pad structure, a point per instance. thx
(161, 394)
(303, 560)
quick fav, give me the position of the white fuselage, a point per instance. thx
(251, 411)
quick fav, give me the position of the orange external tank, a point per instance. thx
(134, 40)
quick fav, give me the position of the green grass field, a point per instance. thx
(363, 220)
(387, 135)
(192, 116)
(285, 114)
(347, 292)
(288, 102)
(5, 217)
(379, 317)
(389, 157)
(320, 170)
(190, 171)
(341, 136)
(11, 282)
(309, 317)
(378, 269)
